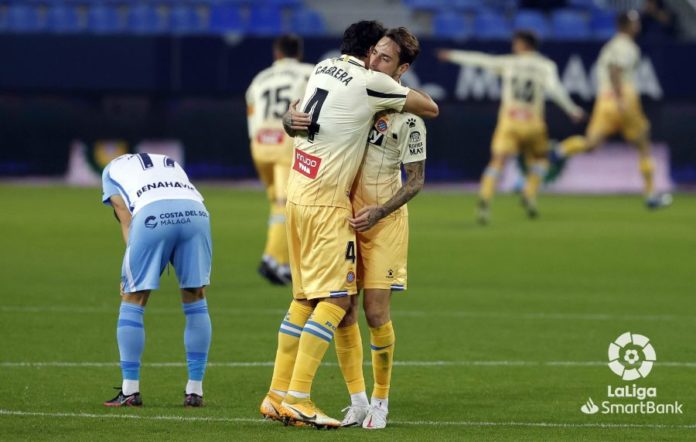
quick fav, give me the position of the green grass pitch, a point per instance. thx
(503, 334)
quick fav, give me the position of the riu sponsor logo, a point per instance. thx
(415, 143)
(164, 184)
(336, 72)
(306, 164)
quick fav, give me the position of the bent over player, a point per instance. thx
(341, 99)
(163, 220)
(268, 98)
(527, 76)
(381, 221)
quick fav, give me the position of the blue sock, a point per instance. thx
(197, 338)
(130, 334)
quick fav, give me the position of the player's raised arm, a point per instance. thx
(559, 95)
(471, 58)
(421, 104)
(383, 92)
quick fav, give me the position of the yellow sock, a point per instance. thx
(647, 169)
(315, 339)
(276, 240)
(382, 339)
(350, 357)
(488, 183)
(574, 145)
(536, 174)
(288, 340)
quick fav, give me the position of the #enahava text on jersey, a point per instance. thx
(162, 184)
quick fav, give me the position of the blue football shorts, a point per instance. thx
(163, 232)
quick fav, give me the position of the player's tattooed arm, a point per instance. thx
(368, 216)
(294, 121)
(122, 214)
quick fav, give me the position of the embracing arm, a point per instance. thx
(370, 215)
(122, 214)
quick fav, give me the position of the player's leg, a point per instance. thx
(382, 340)
(143, 262)
(349, 351)
(328, 276)
(269, 263)
(536, 149)
(130, 334)
(197, 337)
(191, 256)
(502, 146)
(277, 244)
(290, 327)
(646, 164)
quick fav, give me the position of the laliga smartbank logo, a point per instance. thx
(631, 357)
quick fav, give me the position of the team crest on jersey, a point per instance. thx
(382, 124)
(350, 277)
(415, 143)
(306, 164)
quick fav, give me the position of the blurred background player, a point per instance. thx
(526, 77)
(617, 108)
(268, 98)
(341, 99)
(381, 222)
(163, 220)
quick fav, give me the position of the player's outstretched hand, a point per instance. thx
(443, 54)
(578, 117)
(295, 121)
(366, 218)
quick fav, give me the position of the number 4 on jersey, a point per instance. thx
(313, 107)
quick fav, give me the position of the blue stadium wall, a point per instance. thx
(55, 89)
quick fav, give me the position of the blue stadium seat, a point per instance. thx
(103, 19)
(281, 3)
(491, 26)
(532, 20)
(307, 22)
(569, 24)
(23, 18)
(603, 25)
(62, 18)
(466, 5)
(183, 19)
(146, 19)
(225, 18)
(450, 25)
(425, 5)
(265, 20)
(583, 4)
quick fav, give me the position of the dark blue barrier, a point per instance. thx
(54, 89)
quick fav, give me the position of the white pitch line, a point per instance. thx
(18, 413)
(398, 313)
(242, 364)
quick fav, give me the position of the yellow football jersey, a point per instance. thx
(526, 81)
(268, 97)
(621, 51)
(395, 139)
(342, 97)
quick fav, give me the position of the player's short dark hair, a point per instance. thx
(528, 37)
(290, 45)
(626, 18)
(360, 37)
(409, 47)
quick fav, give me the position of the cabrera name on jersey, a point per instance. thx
(144, 178)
